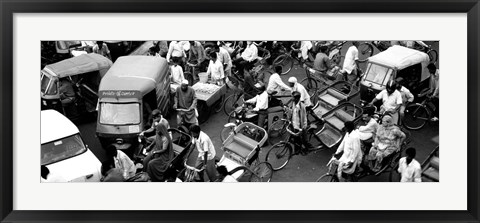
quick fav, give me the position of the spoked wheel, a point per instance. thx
(231, 117)
(225, 133)
(328, 178)
(279, 155)
(217, 107)
(416, 116)
(310, 84)
(230, 103)
(285, 61)
(433, 55)
(365, 50)
(262, 172)
(277, 131)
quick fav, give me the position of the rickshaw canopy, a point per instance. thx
(78, 65)
(134, 73)
(399, 57)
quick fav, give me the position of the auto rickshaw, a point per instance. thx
(83, 74)
(397, 62)
(128, 93)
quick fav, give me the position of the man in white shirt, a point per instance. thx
(352, 154)
(175, 50)
(275, 83)
(367, 131)
(392, 100)
(206, 152)
(305, 46)
(350, 62)
(249, 55)
(407, 97)
(300, 122)
(215, 70)
(177, 75)
(304, 96)
(434, 88)
(409, 168)
(224, 58)
(261, 103)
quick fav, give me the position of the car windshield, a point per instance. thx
(48, 85)
(378, 74)
(120, 114)
(62, 149)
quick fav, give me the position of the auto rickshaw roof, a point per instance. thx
(134, 73)
(55, 126)
(78, 65)
(399, 57)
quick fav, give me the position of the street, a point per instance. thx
(301, 168)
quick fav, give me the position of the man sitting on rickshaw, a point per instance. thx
(186, 99)
(367, 132)
(349, 151)
(388, 140)
(392, 100)
(156, 119)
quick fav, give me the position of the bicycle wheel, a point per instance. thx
(231, 117)
(328, 178)
(285, 61)
(310, 84)
(433, 55)
(225, 133)
(279, 155)
(416, 116)
(277, 131)
(217, 106)
(230, 103)
(262, 172)
(365, 50)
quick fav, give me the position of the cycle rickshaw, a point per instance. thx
(326, 138)
(389, 164)
(240, 157)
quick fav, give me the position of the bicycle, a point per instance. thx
(286, 60)
(281, 153)
(418, 114)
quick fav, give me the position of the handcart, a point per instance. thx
(209, 97)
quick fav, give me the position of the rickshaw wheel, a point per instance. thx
(279, 155)
(433, 56)
(285, 61)
(262, 172)
(277, 131)
(327, 178)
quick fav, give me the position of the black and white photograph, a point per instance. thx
(239, 111)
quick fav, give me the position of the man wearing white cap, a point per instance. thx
(185, 98)
(261, 103)
(304, 96)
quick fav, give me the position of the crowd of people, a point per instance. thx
(362, 147)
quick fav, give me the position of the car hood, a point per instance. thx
(75, 169)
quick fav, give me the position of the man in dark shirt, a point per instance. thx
(249, 83)
(323, 63)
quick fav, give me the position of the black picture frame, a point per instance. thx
(8, 8)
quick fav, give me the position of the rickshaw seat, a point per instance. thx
(241, 145)
(177, 149)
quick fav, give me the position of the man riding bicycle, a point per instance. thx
(392, 100)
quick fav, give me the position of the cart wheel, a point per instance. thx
(217, 107)
(277, 131)
(203, 112)
(262, 172)
(328, 178)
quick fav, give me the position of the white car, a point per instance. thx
(63, 151)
